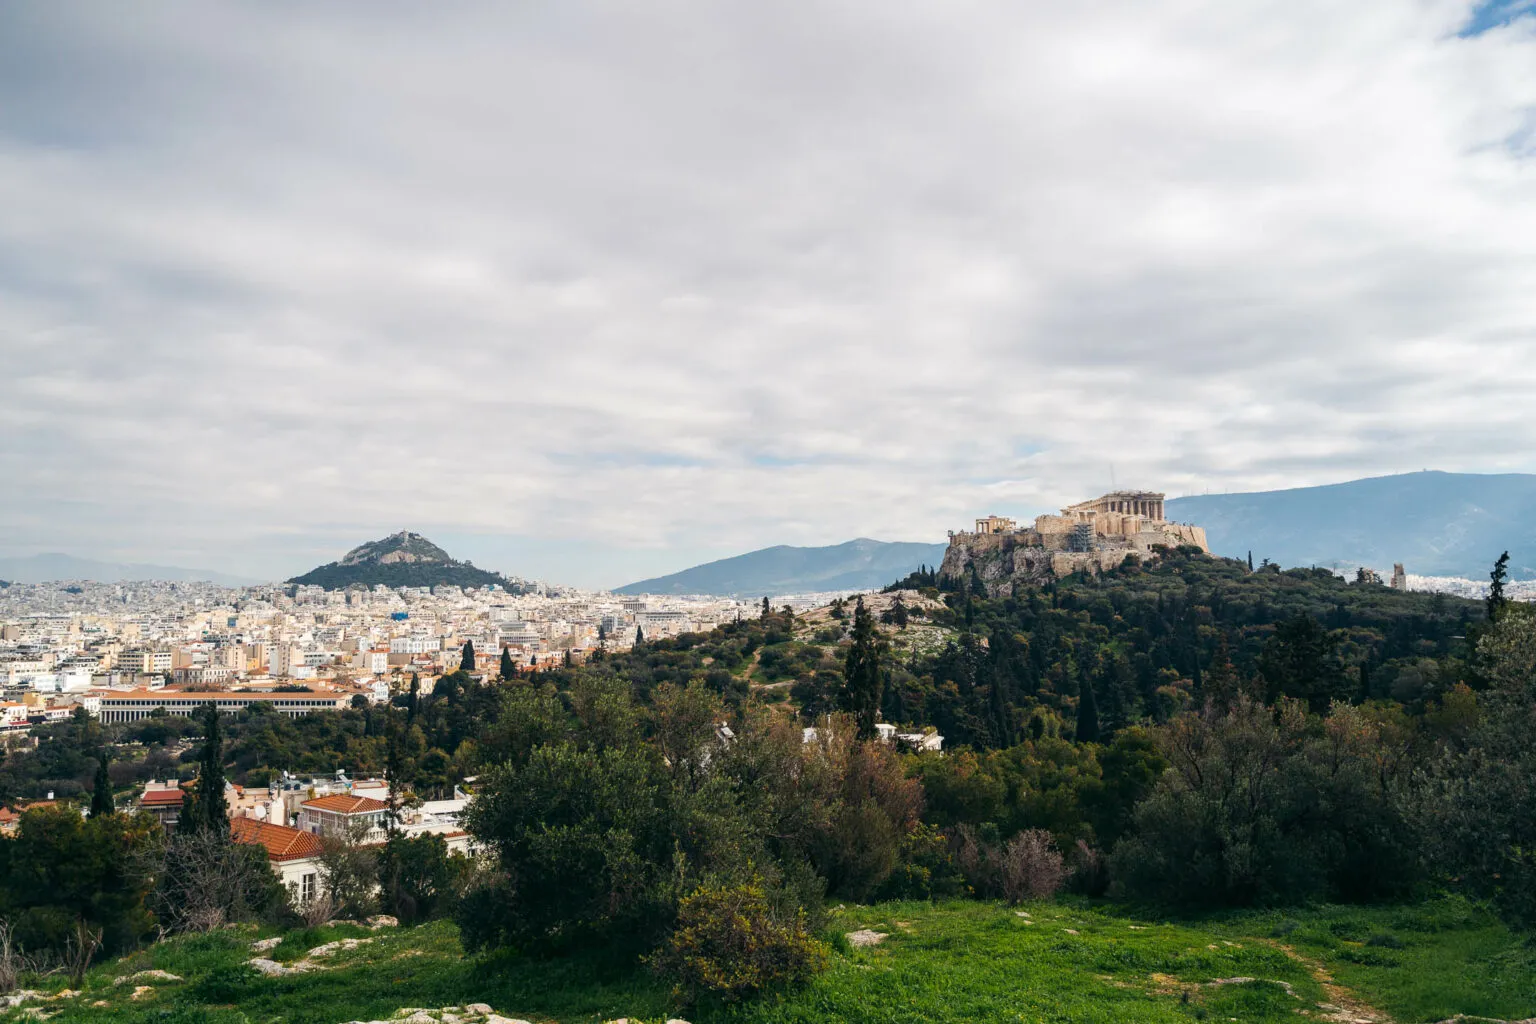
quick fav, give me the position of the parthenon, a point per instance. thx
(1147, 504)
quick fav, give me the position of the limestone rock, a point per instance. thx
(147, 976)
(273, 969)
(266, 945)
(378, 921)
(142, 992)
(481, 1008)
(339, 946)
(865, 937)
(18, 997)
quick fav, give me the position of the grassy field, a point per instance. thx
(954, 962)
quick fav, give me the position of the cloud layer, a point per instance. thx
(694, 279)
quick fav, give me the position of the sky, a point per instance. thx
(595, 291)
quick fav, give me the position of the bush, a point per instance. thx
(1266, 806)
(729, 944)
(1090, 870)
(1032, 867)
(926, 869)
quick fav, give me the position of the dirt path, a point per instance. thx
(1343, 1006)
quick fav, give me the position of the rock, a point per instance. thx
(266, 945)
(15, 999)
(481, 1008)
(147, 976)
(1072, 931)
(421, 1017)
(70, 993)
(141, 992)
(677, 1020)
(497, 1018)
(865, 937)
(273, 969)
(101, 1002)
(339, 946)
(378, 921)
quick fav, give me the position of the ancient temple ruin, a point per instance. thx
(1096, 535)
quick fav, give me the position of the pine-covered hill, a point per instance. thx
(1155, 639)
(402, 559)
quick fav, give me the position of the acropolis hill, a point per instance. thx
(1094, 535)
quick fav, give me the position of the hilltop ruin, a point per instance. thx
(1094, 535)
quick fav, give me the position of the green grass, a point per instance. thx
(962, 961)
(1425, 962)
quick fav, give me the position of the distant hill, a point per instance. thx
(53, 567)
(402, 559)
(861, 564)
(1436, 524)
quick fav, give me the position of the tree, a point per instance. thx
(209, 809)
(415, 876)
(1496, 599)
(349, 871)
(639, 638)
(1250, 560)
(207, 880)
(1478, 799)
(67, 881)
(863, 677)
(467, 660)
(1087, 712)
(767, 608)
(101, 794)
(602, 635)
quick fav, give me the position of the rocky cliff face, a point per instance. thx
(1002, 562)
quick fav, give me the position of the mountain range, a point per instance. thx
(861, 564)
(403, 559)
(1436, 524)
(54, 567)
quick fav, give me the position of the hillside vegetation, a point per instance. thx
(1250, 757)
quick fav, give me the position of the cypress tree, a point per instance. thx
(767, 608)
(568, 661)
(863, 680)
(1087, 712)
(101, 794)
(1250, 560)
(508, 669)
(208, 810)
(467, 660)
(640, 635)
(412, 698)
(1496, 599)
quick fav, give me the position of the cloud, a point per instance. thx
(691, 280)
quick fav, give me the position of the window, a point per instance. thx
(307, 888)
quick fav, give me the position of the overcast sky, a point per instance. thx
(596, 291)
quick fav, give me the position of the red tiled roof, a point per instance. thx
(161, 797)
(344, 804)
(281, 842)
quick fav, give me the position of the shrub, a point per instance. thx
(1032, 867)
(729, 944)
(926, 869)
(1090, 870)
